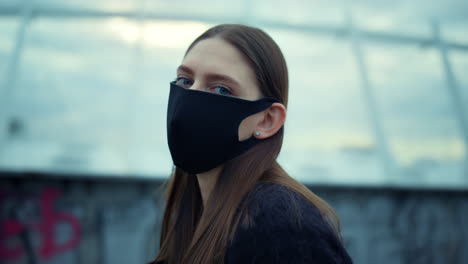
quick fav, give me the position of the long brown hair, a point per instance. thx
(193, 234)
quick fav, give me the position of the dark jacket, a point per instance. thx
(286, 229)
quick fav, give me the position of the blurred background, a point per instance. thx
(377, 121)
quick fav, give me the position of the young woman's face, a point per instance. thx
(213, 65)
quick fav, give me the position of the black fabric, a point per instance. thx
(202, 127)
(286, 229)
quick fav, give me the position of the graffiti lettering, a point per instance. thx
(12, 228)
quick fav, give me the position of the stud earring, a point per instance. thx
(257, 133)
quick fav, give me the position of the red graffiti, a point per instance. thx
(46, 226)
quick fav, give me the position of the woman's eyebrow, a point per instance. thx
(213, 76)
(222, 77)
(185, 69)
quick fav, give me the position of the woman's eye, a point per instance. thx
(184, 82)
(221, 90)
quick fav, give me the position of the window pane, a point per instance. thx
(418, 114)
(459, 60)
(327, 128)
(455, 31)
(179, 8)
(70, 98)
(225, 11)
(107, 5)
(297, 11)
(8, 29)
(375, 17)
(10, 3)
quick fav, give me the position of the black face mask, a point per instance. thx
(202, 127)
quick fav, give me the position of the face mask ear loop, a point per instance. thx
(266, 103)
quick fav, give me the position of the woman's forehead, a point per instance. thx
(216, 55)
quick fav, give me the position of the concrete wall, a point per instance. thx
(402, 226)
(60, 219)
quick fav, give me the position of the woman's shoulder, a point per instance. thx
(283, 226)
(280, 205)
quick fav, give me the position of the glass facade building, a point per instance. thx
(378, 90)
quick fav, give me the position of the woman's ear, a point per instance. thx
(272, 120)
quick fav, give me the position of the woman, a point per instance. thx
(228, 200)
